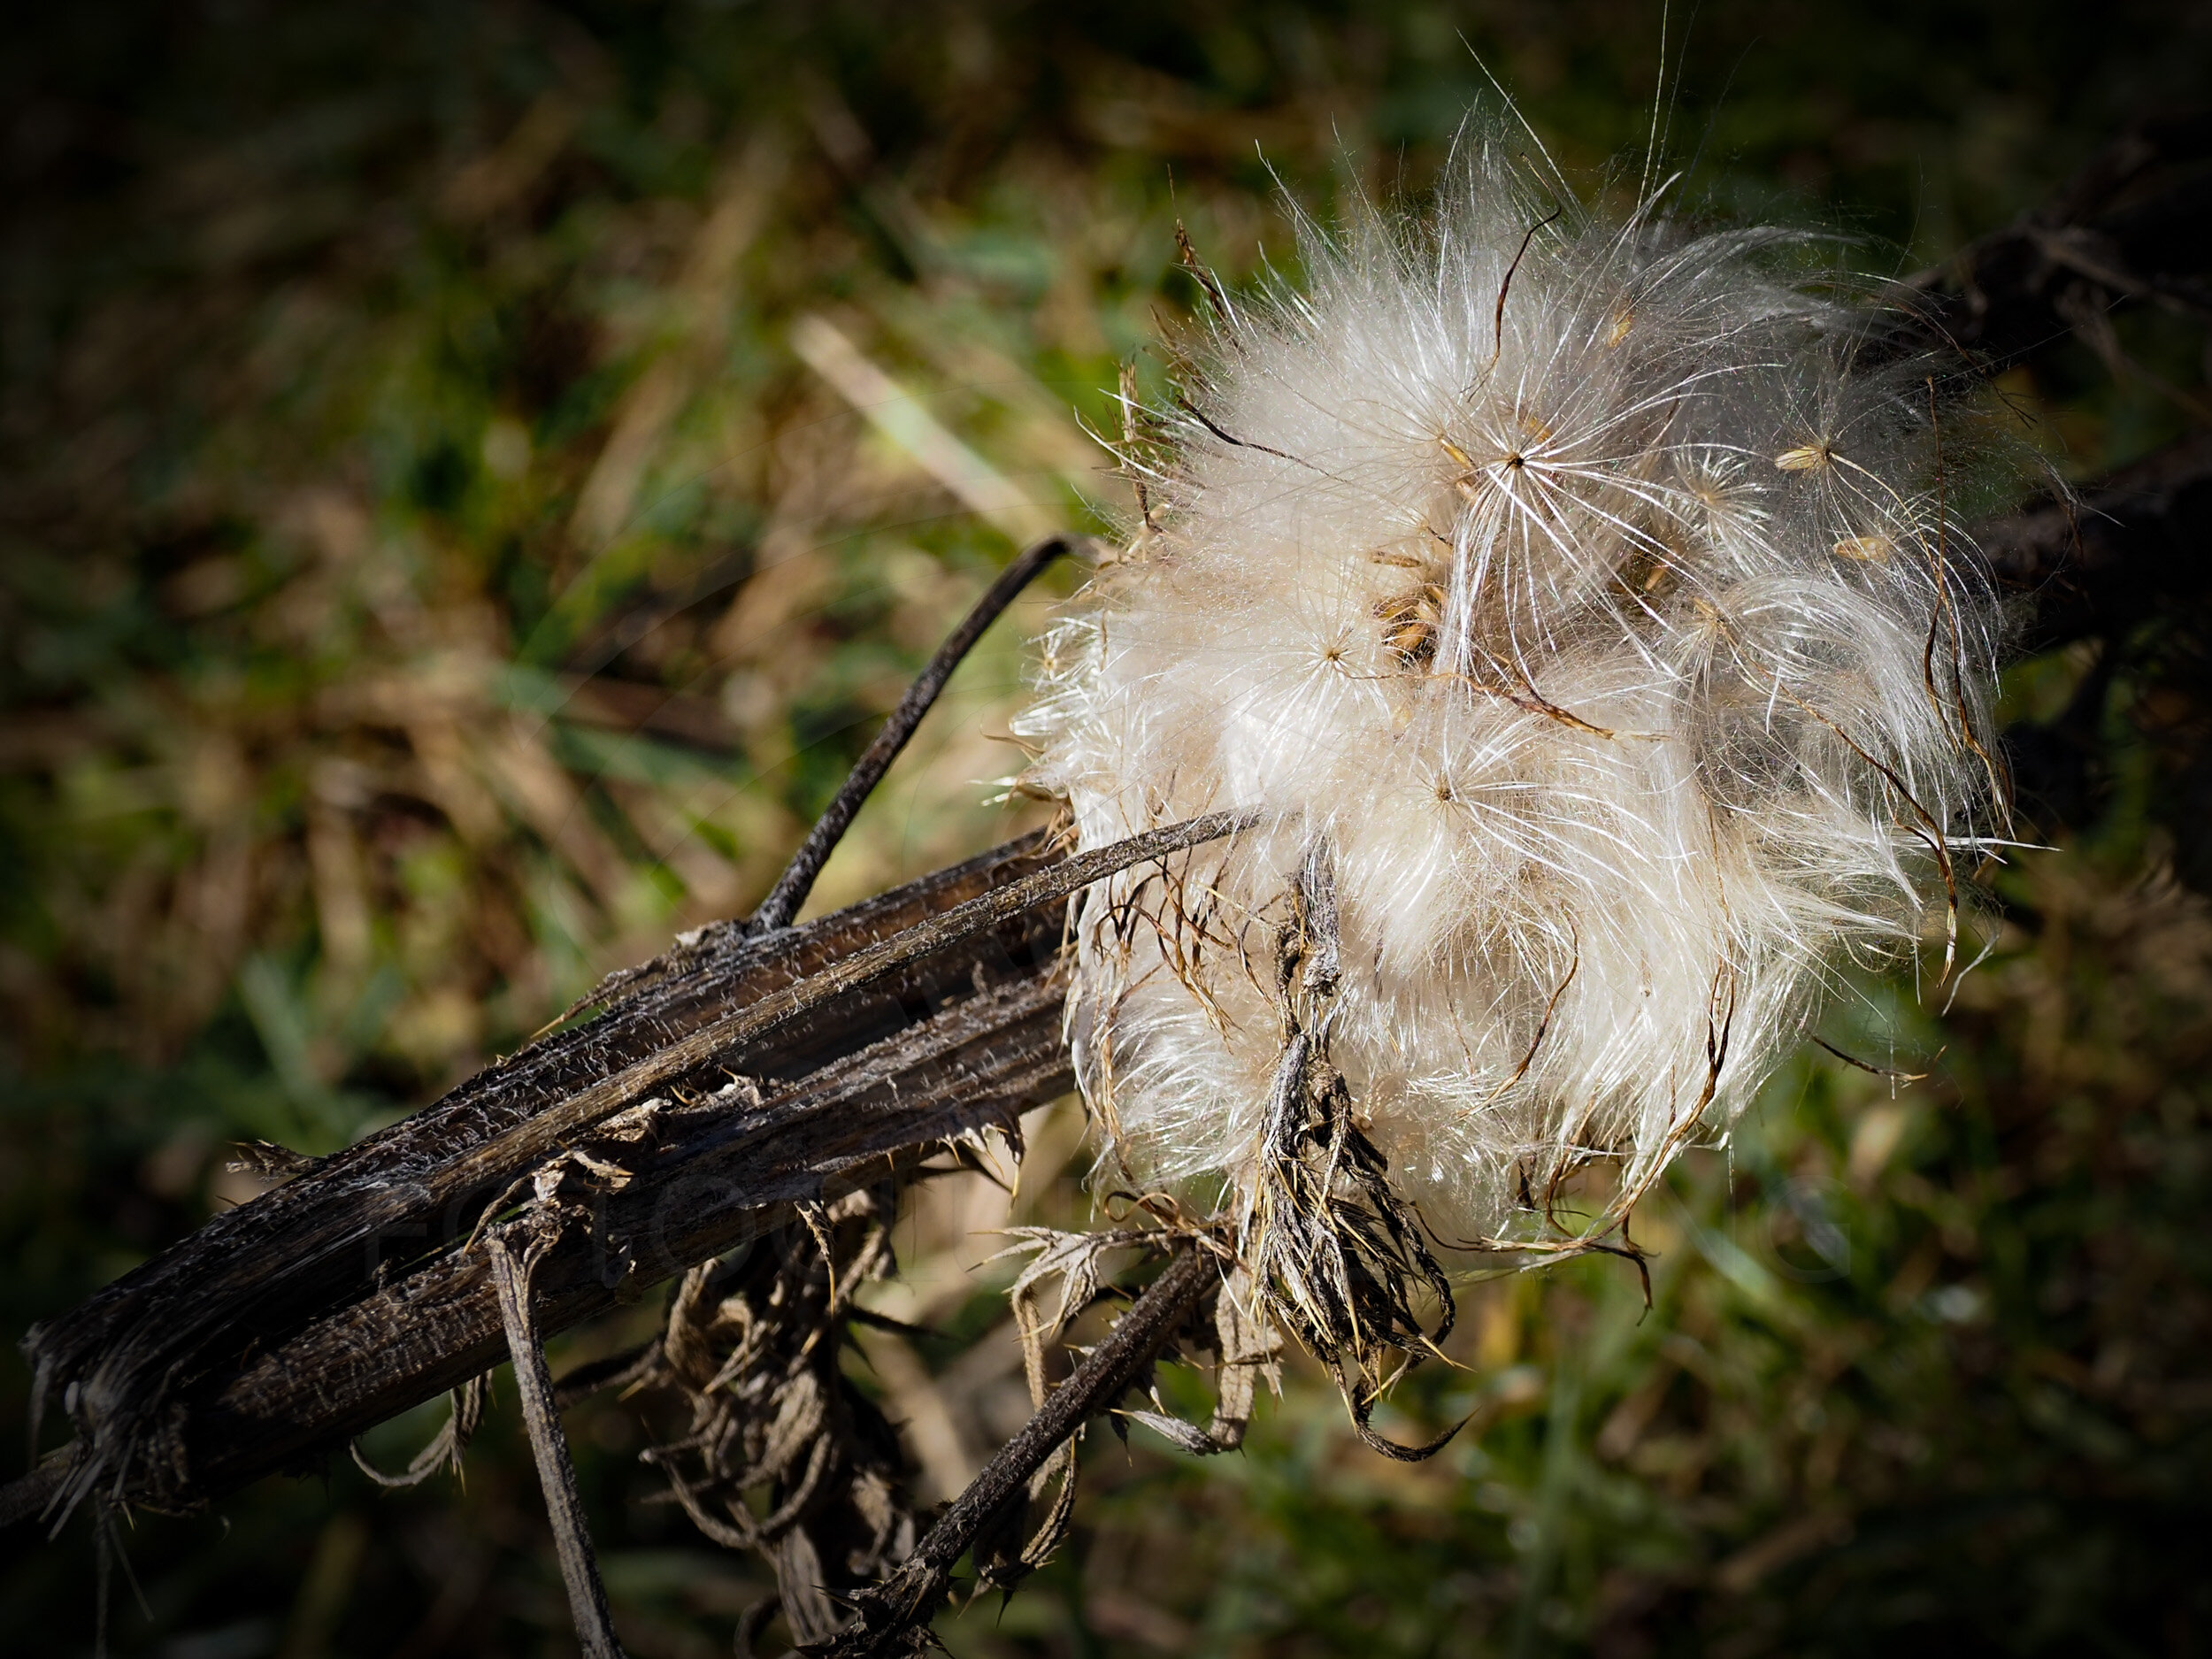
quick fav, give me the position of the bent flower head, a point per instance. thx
(1587, 592)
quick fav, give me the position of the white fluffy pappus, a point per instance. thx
(1581, 586)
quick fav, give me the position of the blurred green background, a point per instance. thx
(473, 475)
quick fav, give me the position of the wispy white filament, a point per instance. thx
(1576, 582)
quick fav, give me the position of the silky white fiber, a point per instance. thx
(1593, 592)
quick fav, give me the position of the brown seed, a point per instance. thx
(1868, 549)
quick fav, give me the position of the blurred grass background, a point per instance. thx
(475, 472)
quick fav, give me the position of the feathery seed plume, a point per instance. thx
(1576, 586)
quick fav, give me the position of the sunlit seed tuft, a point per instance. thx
(1633, 746)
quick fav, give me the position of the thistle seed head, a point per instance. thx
(1578, 583)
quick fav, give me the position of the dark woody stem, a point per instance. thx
(910, 1596)
(557, 1472)
(797, 880)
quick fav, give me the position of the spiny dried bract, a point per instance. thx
(1604, 616)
